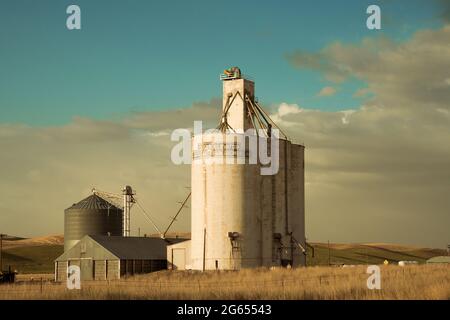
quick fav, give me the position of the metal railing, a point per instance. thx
(243, 76)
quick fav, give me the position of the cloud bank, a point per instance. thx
(384, 168)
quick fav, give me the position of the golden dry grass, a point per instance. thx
(411, 282)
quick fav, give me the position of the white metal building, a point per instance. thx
(179, 256)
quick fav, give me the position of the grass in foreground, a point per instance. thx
(412, 282)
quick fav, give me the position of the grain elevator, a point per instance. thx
(242, 218)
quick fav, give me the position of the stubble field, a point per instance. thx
(410, 282)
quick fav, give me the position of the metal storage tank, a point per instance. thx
(91, 216)
(240, 218)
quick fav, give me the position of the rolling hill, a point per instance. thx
(368, 253)
(37, 255)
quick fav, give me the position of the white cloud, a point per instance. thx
(327, 92)
(157, 133)
(385, 164)
(346, 116)
(286, 109)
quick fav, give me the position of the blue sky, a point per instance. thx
(146, 55)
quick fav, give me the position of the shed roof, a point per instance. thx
(138, 248)
(94, 202)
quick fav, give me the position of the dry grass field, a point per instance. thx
(411, 282)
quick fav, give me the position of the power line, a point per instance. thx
(178, 212)
(149, 219)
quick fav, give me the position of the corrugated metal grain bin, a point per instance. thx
(94, 216)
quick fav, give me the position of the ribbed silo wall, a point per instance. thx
(289, 203)
(297, 200)
(81, 222)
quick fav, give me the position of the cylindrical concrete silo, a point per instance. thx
(91, 216)
(226, 214)
(241, 218)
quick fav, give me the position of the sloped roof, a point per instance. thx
(138, 248)
(94, 202)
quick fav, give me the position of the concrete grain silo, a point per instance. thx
(240, 217)
(91, 216)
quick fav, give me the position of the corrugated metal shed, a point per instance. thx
(94, 202)
(136, 247)
(111, 257)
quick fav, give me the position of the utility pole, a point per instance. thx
(204, 249)
(329, 257)
(1, 252)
